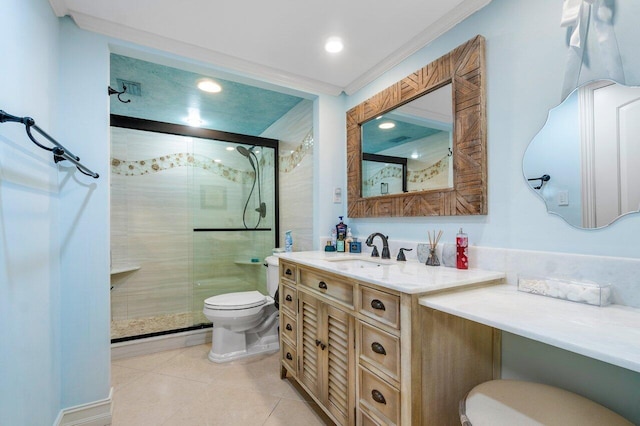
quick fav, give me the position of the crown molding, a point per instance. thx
(59, 7)
(441, 26)
(211, 57)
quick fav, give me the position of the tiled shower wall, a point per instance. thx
(294, 131)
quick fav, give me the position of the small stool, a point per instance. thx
(513, 402)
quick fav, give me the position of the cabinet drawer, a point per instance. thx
(289, 356)
(289, 298)
(289, 328)
(379, 397)
(367, 420)
(381, 306)
(380, 349)
(288, 271)
(329, 286)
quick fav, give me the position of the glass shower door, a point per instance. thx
(234, 218)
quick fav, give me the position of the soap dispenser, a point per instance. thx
(341, 234)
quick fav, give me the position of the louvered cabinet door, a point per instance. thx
(339, 369)
(309, 320)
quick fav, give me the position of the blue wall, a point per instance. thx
(54, 277)
(29, 236)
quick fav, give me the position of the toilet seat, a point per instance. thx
(236, 301)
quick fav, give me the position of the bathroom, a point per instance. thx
(55, 274)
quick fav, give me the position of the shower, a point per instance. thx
(255, 165)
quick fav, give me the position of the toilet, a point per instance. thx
(244, 323)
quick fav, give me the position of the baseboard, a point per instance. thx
(97, 413)
(160, 343)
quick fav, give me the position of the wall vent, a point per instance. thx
(133, 88)
(396, 139)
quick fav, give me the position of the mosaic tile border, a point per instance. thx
(287, 163)
(417, 176)
(181, 159)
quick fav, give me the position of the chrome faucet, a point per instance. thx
(385, 245)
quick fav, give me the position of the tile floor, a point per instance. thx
(182, 387)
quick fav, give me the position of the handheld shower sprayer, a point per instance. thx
(262, 207)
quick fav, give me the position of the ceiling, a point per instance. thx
(281, 41)
(166, 94)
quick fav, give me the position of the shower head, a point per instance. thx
(242, 150)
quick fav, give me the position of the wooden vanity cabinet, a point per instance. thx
(326, 365)
(369, 355)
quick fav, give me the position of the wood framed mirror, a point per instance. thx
(464, 69)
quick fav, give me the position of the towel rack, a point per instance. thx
(60, 153)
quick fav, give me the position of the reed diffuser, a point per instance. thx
(432, 260)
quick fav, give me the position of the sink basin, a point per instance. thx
(357, 263)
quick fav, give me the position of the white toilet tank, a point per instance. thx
(272, 274)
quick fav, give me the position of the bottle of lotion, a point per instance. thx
(462, 250)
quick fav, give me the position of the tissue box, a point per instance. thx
(575, 291)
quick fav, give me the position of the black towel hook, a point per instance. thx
(112, 91)
(544, 178)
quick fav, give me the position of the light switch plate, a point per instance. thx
(337, 195)
(563, 198)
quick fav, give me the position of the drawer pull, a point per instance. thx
(288, 298)
(378, 348)
(322, 285)
(377, 304)
(288, 327)
(378, 397)
(288, 272)
(319, 343)
(289, 357)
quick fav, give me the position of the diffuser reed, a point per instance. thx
(433, 243)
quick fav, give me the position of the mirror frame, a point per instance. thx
(464, 68)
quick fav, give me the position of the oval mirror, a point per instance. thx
(584, 161)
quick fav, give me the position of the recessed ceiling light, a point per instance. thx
(230, 148)
(208, 85)
(193, 119)
(333, 45)
(387, 125)
(217, 160)
(414, 156)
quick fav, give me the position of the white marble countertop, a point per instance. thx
(410, 277)
(610, 334)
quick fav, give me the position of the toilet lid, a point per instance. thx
(239, 300)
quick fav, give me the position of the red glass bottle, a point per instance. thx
(462, 250)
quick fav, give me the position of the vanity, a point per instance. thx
(354, 336)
